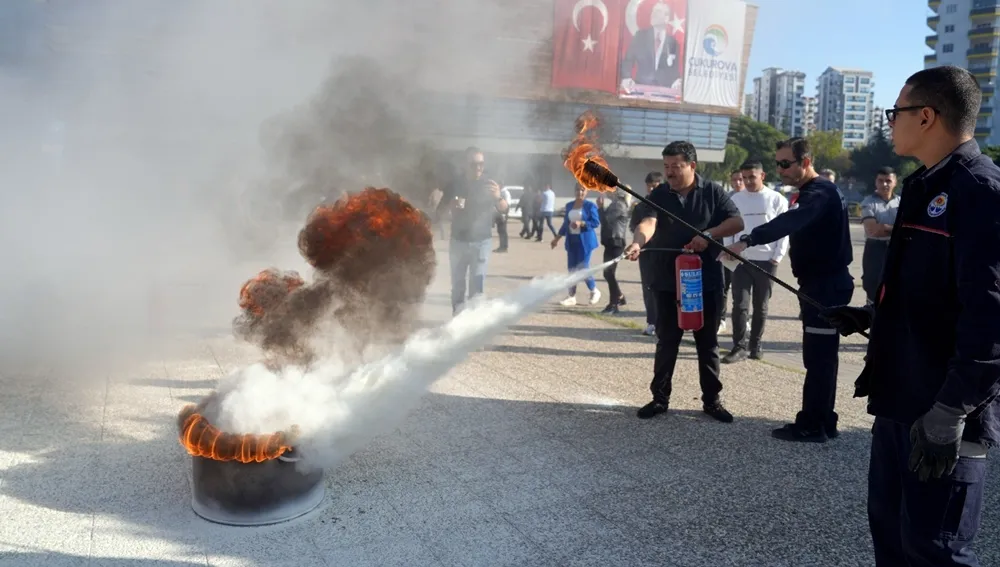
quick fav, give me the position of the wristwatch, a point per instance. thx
(745, 239)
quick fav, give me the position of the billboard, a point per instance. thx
(675, 51)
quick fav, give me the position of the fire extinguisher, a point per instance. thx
(690, 299)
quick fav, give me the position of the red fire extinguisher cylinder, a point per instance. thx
(690, 296)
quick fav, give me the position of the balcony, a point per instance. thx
(933, 21)
(981, 52)
(983, 131)
(931, 41)
(930, 59)
(986, 111)
(934, 5)
(983, 32)
(985, 9)
(987, 89)
(983, 72)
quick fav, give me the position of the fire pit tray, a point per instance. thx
(254, 494)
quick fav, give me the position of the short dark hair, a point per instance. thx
(886, 171)
(752, 165)
(952, 92)
(654, 177)
(684, 149)
(800, 147)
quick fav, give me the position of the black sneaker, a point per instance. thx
(622, 301)
(652, 409)
(756, 353)
(800, 434)
(738, 354)
(611, 308)
(718, 412)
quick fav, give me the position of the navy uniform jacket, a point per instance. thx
(819, 234)
(936, 331)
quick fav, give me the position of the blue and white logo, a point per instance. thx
(938, 206)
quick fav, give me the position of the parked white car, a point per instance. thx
(516, 191)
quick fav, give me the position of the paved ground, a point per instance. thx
(528, 454)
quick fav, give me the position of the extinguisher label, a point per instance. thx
(691, 292)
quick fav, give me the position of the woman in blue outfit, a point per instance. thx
(580, 223)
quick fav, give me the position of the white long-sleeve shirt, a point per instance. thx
(757, 209)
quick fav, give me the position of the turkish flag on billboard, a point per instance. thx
(585, 44)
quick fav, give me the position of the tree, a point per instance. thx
(879, 153)
(758, 139)
(828, 151)
(993, 152)
(735, 156)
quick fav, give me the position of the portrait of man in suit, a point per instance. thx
(654, 54)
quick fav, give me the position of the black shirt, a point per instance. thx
(818, 230)
(706, 206)
(474, 222)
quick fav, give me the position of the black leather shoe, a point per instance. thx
(756, 353)
(718, 412)
(799, 434)
(652, 409)
(738, 354)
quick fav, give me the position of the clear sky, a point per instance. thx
(882, 36)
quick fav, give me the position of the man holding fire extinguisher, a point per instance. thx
(698, 307)
(821, 251)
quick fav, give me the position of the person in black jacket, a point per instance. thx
(932, 373)
(820, 251)
(614, 231)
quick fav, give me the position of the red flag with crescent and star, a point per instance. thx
(586, 43)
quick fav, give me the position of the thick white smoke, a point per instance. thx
(339, 409)
(148, 148)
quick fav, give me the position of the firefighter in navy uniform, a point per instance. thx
(820, 252)
(932, 373)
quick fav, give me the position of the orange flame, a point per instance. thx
(202, 439)
(584, 148)
(364, 231)
(268, 289)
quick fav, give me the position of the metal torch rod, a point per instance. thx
(722, 247)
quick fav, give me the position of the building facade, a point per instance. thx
(844, 104)
(779, 99)
(810, 115)
(966, 33)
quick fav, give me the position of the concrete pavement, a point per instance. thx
(527, 454)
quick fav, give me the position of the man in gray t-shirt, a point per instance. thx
(878, 213)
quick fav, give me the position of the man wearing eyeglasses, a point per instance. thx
(820, 251)
(932, 373)
(473, 200)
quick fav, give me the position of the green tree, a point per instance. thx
(758, 139)
(993, 152)
(735, 156)
(828, 151)
(879, 153)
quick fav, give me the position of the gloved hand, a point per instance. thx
(848, 320)
(936, 439)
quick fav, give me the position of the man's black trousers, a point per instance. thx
(820, 343)
(920, 524)
(668, 343)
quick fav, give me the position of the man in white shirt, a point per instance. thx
(758, 204)
(547, 210)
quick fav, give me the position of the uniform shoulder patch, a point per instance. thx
(937, 206)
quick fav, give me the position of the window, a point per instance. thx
(949, 28)
(951, 9)
(947, 48)
(865, 80)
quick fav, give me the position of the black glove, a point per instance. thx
(848, 320)
(936, 439)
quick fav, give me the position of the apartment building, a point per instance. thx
(778, 98)
(810, 114)
(967, 34)
(844, 104)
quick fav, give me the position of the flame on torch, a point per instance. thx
(584, 148)
(202, 439)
